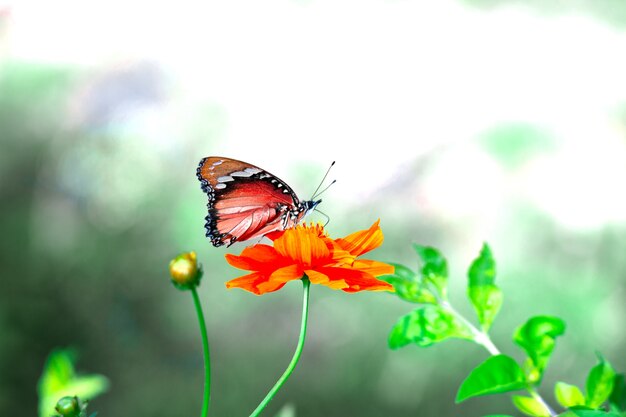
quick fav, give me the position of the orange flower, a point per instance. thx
(307, 250)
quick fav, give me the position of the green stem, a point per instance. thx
(205, 349)
(296, 356)
(533, 393)
(480, 337)
(483, 339)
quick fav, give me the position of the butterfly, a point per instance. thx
(246, 201)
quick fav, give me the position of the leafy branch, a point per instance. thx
(436, 320)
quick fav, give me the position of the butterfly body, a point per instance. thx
(246, 201)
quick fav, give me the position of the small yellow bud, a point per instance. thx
(185, 271)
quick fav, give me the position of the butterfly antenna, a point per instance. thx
(323, 214)
(321, 192)
(315, 193)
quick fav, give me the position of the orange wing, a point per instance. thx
(244, 201)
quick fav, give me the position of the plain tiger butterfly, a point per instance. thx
(246, 201)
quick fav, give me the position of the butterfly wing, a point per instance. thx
(245, 201)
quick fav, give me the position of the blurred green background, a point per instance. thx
(454, 122)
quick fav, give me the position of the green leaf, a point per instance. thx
(497, 374)
(485, 296)
(617, 399)
(586, 412)
(498, 415)
(537, 337)
(434, 268)
(59, 380)
(599, 383)
(409, 286)
(412, 292)
(404, 272)
(483, 269)
(530, 406)
(568, 395)
(487, 300)
(427, 326)
(58, 371)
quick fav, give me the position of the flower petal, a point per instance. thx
(247, 282)
(357, 280)
(256, 258)
(287, 273)
(303, 246)
(340, 256)
(362, 241)
(317, 277)
(375, 268)
(279, 277)
(268, 286)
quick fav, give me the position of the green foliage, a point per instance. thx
(426, 326)
(60, 380)
(484, 295)
(537, 337)
(482, 271)
(434, 268)
(497, 374)
(409, 286)
(586, 412)
(617, 399)
(599, 383)
(568, 395)
(602, 385)
(437, 320)
(530, 406)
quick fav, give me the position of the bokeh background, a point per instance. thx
(453, 121)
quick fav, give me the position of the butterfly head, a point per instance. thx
(307, 206)
(304, 208)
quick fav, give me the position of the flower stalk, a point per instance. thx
(206, 353)
(296, 356)
(186, 273)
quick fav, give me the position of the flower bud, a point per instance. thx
(185, 271)
(69, 407)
